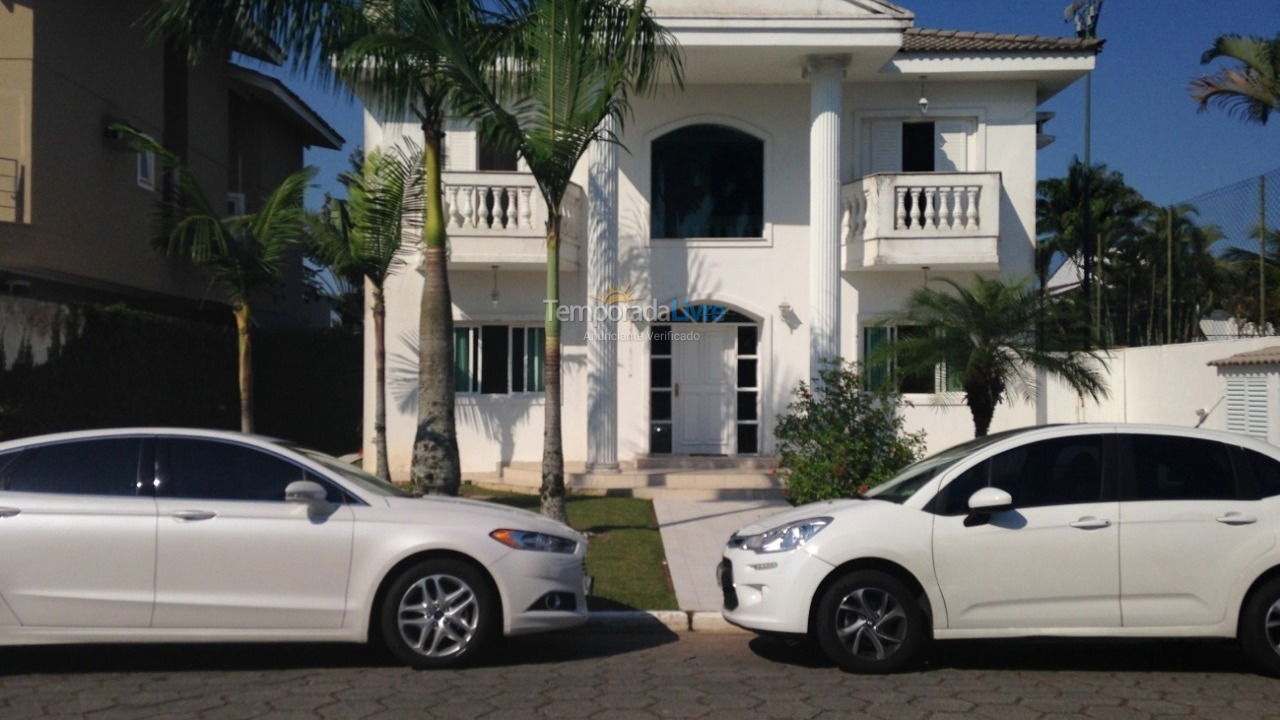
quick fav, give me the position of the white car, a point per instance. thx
(1076, 530)
(164, 535)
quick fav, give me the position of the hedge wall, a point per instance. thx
(116, 367)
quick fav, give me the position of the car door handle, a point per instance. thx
(1091, 523)
(193, 515)
(1235, 518)
(9, 511)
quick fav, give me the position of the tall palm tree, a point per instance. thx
(392, 49)
(986, 333)
(568, 67)
(1251, 88)
(243, 253)
(363, 237)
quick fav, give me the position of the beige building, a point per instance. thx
(77, 205)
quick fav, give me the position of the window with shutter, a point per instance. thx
(885, 147)
(1247, 405)
(951, 149)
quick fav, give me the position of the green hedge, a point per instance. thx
(118, 367)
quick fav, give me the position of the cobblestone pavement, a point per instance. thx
(636, 676)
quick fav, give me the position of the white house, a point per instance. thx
(796, 190)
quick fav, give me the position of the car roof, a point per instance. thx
(244, 438)
(1018, 436)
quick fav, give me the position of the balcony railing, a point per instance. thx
(910, 220)
(499, 218)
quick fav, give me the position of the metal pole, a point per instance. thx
(1168, 279)
(1262, 254)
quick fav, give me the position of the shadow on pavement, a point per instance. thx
(528, 649)
(1032, 654)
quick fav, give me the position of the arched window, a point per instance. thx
(708, 182)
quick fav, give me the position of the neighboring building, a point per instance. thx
(77, 206)
(794, 193)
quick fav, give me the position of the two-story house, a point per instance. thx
(77, 203)
(824, 158)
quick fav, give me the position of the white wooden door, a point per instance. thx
(704, 387)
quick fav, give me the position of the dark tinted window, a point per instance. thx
(1266, 472)
(708, 182)
(88, 467)
(222, 471)
(1177, 468)
(1061, 471)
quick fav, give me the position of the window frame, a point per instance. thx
(474, 330)
(1241, 474)
(941, 374)
(163, 470)
(145, 170)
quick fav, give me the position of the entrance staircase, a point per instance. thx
(687, 477)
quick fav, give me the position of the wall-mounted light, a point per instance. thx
(923, 102)
(494, 295)
(784, 308)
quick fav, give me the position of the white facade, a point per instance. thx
(830, 101)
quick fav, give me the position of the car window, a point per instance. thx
(214, 470)
(1058, 471)
(1266, 472)
(86, 467)
(1180, 468)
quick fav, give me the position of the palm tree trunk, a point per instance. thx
(552, 491)
(435, 468)
(380, 382)
(244, 365)
(982, 406)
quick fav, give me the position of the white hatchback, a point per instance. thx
(1074, 530)
(164, 535)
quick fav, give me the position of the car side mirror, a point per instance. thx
(307, 492)
(990, 500)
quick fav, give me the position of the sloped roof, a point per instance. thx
(275, 94)
(778, 9)
(926, 40)
(1264, 356)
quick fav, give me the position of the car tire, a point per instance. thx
(870, 622)
(439, 613)
(1260, 643)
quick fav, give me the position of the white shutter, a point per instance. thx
(1247, 405)
(459, 144)
(886, 147)
(951, 150)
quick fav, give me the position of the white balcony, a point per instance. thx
(905, 221)
(499, 218)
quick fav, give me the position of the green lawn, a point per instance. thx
(625, 554)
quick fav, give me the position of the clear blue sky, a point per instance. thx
(1144, 124)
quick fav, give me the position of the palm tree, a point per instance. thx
(394, 51)
(362, 238)
(1250, 89)
(569, 66)
(986, 333)
(243, 253)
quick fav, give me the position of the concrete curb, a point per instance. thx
(660, 620)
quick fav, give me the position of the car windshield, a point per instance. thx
(910, 479)
(351, 473)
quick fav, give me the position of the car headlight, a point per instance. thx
(527, 540)
(783, 538)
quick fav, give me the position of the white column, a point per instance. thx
(602, 277)
(826, 80)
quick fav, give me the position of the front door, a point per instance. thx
(704, 390)
(233, 554)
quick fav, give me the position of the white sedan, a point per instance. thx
(1075, 530)
(163, 535)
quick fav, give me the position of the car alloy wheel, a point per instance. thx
(438, 616)
(439, 613)
(868, 621)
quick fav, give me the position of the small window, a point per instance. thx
(944, 377)
(214, 470)
(707, 182)
(146, 170)
(1266, 472)
(498, 359)
(660, 396)
(1180, 468)
(235, 204)
(88, 467)
(1060, 471)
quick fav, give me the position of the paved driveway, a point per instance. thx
(636, 676)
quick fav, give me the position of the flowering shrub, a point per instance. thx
(838, 439)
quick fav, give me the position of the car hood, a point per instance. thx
(826, 508)
(500, 516)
